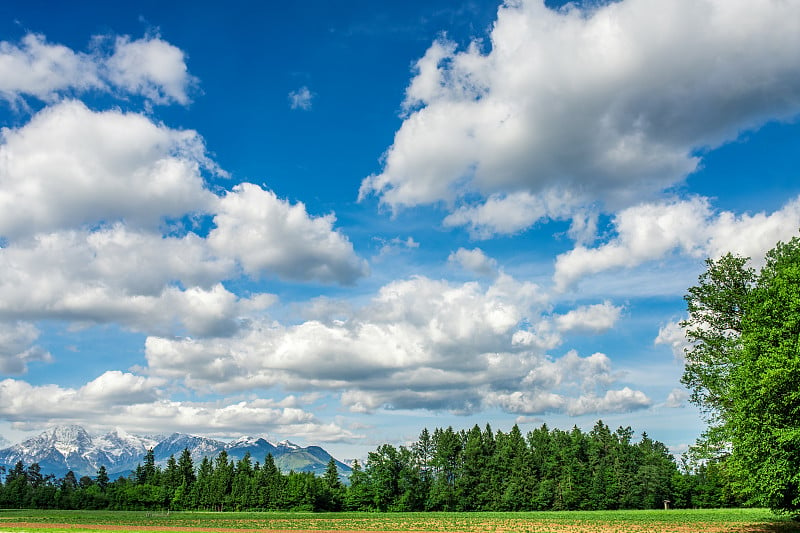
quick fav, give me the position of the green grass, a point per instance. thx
(675, 521)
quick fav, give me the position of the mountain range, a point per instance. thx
(64, 448)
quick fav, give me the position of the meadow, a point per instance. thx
(673, 521)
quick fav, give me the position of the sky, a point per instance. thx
(340, 222)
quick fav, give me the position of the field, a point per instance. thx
(681, 521)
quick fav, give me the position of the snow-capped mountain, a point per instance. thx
(256, 446)
(58, 449)
(64, 448)
(125, 449)
(198, 446)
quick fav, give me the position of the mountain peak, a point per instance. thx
(66, 439)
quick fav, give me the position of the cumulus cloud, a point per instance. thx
(150, 67)
(108, 392)
(301, 99)
(267, 234)
(511, 213)
(17, 347)
(98, 190)
(475, 261)
(673, 335)
(604, 104)
(677, 398)
(37, 68)
(118, 275)
(123, 399)
(418, 344)
(71, 166)
(650, 231)
(596, 318)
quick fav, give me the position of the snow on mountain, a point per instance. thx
(288, 445)
(198, 446)
(58, 450)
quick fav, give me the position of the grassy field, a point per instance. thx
(681, 521)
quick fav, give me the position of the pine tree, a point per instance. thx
(102, 478)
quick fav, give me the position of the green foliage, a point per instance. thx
(743, 370)
(716, 307)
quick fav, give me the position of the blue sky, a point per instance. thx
(341, 222)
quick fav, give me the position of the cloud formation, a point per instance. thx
(266, 234)
(71, 167)
(301, 99)
(17, 347)
(123, 203)
(651, 231)
(418, 344)
(606, 105)
(149, 67)
(117, 398)
(474, 261)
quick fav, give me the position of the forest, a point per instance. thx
(444, 470)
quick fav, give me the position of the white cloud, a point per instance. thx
(603, 105)
(614, 401)
(70, 167)
(475, 261)
(43, 70)
(98, 190)
(109, 392)
(419, 344)
(393, 246)
(117, 275)
(117, 399)
(510, 213)
(267, 234)
(151, 67)
(650, 231)
(677, 398)
(672, 335)
(301, 99)
(17, 347)
(597, 318)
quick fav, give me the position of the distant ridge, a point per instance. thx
(63, 448)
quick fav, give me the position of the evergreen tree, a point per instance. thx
(242, 495)
(203, 488)
(221, 481)
(446, 458)
(186, 468)
(334, 488)
(359, 494)
(269, 485)
(102, 478)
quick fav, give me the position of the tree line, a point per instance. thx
(444, 470)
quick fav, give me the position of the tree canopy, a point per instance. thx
(743, 367)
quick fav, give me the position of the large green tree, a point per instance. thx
(765, 391)
(743, 366)
(716, 307)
